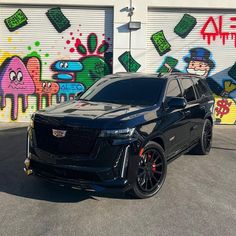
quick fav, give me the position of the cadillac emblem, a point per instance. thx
(58, 133)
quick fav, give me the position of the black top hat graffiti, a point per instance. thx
(200, 54)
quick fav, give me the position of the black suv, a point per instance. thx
(122, 132)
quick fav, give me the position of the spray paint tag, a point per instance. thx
(58, 19)
(16, 21)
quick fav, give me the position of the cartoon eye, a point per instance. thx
(19, 76)
(12, 76)
(44, 85)
(49, 85)
(66, 65)
(61, 65)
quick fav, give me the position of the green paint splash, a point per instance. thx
(37, 43)
(34, 54)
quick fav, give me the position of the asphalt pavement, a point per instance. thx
(198, 197)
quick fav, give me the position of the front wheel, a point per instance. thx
(151, 171)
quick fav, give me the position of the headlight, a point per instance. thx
(119, 133)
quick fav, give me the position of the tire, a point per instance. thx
(151, 172)
(205, 142)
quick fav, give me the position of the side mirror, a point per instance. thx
(78, 95)
(177, 103)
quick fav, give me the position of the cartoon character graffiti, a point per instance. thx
(66, 69)
(95, 59)
(67, 72)
(95, 66)
(15, 81)
(199, 62)
(43, 87)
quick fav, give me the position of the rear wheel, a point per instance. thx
(151, 171)
(205, 142)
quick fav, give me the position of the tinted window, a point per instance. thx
(202, 87)
(189, 93)
(132, 91)
(173, 89)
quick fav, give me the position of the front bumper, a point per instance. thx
(119, 173)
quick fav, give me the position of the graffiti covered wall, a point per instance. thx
(197, 43)
(49, 54)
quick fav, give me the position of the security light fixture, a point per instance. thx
(134, 25)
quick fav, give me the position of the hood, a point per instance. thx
(95, 114)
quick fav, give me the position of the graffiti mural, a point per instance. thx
(44, 63)
(58, 19)
(185, 25)
(213, 28)
(42, 88)
(16, 21)
(15, 81)
(201, 48)
(128, 62)
(160, 42)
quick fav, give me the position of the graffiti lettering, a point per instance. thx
(217, 30)
(68, 90)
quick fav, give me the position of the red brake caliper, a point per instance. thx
(154, 167)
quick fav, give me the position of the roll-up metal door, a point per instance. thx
(197, 42)
(47, 54)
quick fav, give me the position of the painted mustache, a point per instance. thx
(196, 72)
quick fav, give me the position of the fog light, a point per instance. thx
(28, 171)
(27, 163)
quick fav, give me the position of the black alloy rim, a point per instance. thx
(150, 171)
(207, 136)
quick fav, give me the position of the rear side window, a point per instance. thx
(173, 89)
(189, 93)
(202, 88)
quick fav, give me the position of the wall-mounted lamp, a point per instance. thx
(134, 25)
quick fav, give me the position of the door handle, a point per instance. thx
(188, 112)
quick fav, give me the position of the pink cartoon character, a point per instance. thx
(15, 81)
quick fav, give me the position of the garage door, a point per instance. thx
(200, 42)
(47, 54)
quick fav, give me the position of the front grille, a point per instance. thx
(67, 174)
(78, 140)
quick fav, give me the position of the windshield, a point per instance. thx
(129, 91)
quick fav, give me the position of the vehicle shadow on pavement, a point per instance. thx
(224, 148)
(14, 181)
